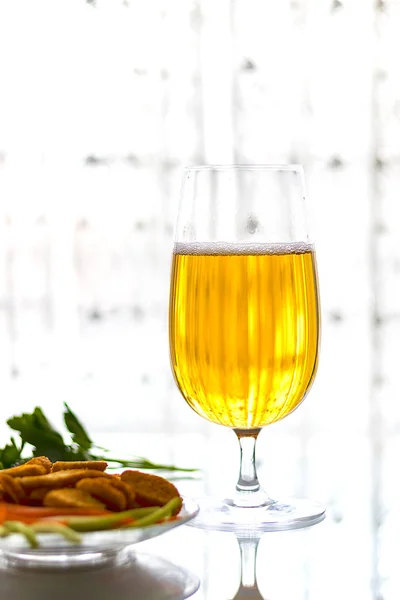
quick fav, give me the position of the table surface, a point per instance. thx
(337, 558)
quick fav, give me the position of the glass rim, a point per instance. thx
(245, 167)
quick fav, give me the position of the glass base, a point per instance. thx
(223, 515)
(124, 574)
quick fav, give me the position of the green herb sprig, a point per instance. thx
(36, 431)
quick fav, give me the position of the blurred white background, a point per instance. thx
(102, 103)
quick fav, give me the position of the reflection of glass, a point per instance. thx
(248, 589)
(244, 319)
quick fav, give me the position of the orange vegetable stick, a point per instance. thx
(30, 514)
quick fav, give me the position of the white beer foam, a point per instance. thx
(246, 248)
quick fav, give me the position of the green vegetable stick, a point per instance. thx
(162, 512)
(98, 523)
(143, 517)
(4, 532)
(25, 530)
(68, 533)
(133, 513)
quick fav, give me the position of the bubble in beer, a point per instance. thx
(236, 249)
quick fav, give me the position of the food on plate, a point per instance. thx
(150, 490)
(11, 489)
(97, 465)
(35, 497)
(109, 495)
(33, 514)
(43, 461)
(71, 498)
(126, 489)
(25, 470)
(81, 496)
(59, 479)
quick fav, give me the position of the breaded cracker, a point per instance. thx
(151, 490)
(71, 498)
(25, 470)
(60, 479)
(104, 490)
(41, 460)
(35, 497)
(126, 489)
(95, 465)
(13, 491)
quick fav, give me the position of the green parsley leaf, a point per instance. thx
(74, 426)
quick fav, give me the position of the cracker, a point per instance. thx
(104, 490)
(60, 479)
(71, 498)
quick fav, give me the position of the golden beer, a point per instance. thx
(244, 329)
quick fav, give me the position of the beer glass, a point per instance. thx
(244, 320)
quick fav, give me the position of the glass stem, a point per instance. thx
(248, 489)
(248, 556)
